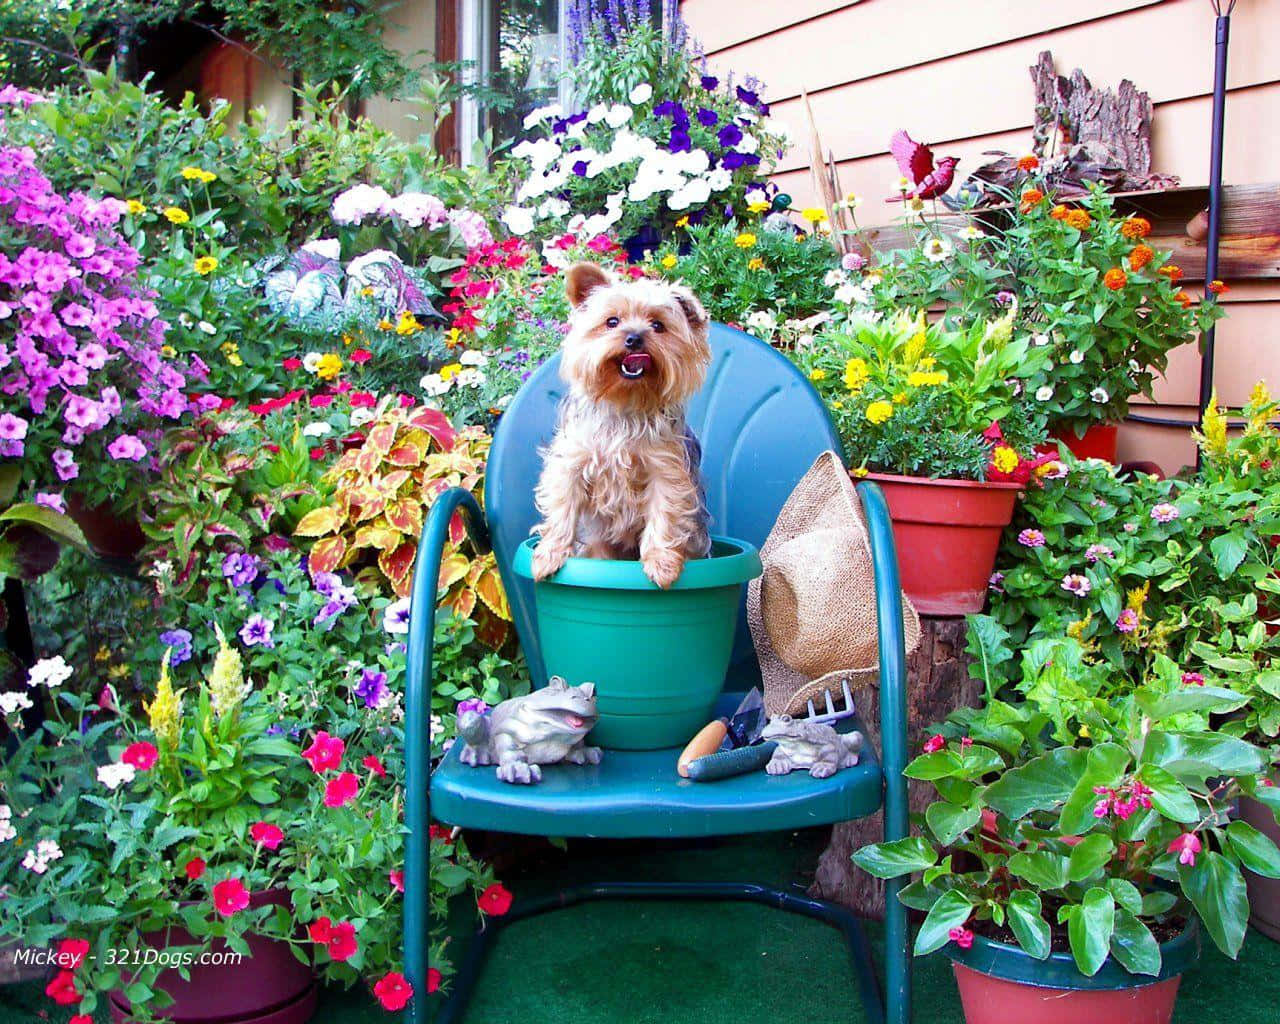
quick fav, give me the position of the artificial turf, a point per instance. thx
(709, 963)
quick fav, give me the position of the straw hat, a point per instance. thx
(812, 612)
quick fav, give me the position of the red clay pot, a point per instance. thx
(989, 1000)
(1264, 893)
(108, 534)
(947, 533)
(269, 986)
(1099, 441)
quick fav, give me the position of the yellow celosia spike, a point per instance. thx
(165, 712)
(1213, 429)
(226, 679)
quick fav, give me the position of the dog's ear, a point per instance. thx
(581, 279)
(690, 307)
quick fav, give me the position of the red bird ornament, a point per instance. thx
(917, 166)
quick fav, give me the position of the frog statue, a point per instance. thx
(547, 726)
(809, 745)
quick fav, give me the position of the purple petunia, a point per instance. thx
(748, 96)
(707, 118)
(733, 160)
(240, 568)
(710, 83)
(729, 136)
(179, 643)
(127, 447)
(372, 687)
(256, 631)
(680, 141)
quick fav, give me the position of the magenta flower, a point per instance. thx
(996, 582)
(1186, 846)
(46, 499)
(962, 937)
(1031, 539)
(1128, 621)
(256, 631)
(64, 464)
(1076, 584)
(934, 743)
(126, 446)
(1164, 512)
(1096, 551)
(12, 428)
(1192, 679)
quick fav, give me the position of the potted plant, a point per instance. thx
(1081, 839)
(933, 415)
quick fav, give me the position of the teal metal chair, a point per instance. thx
(761, 425)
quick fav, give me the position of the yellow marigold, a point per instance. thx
(1115, 279)
(1004, 458)
(1078, 219)
(926, 378)
(755, 263)
(1059, 212)
(860, 472)
(683, 222)
(348, 340)
(450, 371)
(206, 265)
(386, 325)
(408, 324)
(817, 373)
(198, 174)
(814, 214)
(900, 398)
(759, 206)
(164, 713)
(226, 678)
(1030, 198)
(1140, 256)
(135, 207)
(855, 374)
(1135, 227)
(176, 215)
(669, 261)
(1213, 429)
(329, 366)
(1028, 163)
(878, 412)
(452, 337)
(745, 240)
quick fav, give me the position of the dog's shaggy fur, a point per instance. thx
(620, 478)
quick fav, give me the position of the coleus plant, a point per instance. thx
(1101, 814)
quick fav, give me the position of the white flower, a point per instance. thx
(871, 280)
(748, 144)
(471, 377)
(329, 248)
(206, 328)
(596, 114)
(519, 221)
(395, 619)
(755, 196)
(834, 278)
(540, 114)
(418, 208)
(552, 207)
(971, 233)
(7, 831)
(641, 93)
(47, 849)
(901, 184)
(435, 385)
(317, 429)
(1135, 366)
(1039, 340)
(1099, 395)
(762, 320)
(851, 295)
(1045, 393)
(49, 672)
(33, 863)
(1076, 356)
(358, 202)
(719, 179)
(13, 701)
(311, 362)
(539, 152)
(361, 416)
(695, 193)
(473, 357)
(937, 249)
(113, 776)
(850, 202)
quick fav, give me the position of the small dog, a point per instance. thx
(621, 478)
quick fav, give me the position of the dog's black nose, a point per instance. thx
(633, 341)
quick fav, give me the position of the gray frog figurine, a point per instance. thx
(810, 745)
(547, 726)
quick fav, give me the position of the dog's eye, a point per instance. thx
(611, 322)
(658, 326)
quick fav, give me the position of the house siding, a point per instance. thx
(955, 75)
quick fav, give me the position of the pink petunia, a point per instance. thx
(325, 752)
(126, 447)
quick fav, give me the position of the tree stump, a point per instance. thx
(938, 682)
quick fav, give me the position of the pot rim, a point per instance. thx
(945, 481)
(732, 563)
(1059, 970)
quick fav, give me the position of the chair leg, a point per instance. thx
(897, 955)
(840, 918)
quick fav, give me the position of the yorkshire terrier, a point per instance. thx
(621, 477)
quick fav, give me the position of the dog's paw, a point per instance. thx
(663, 567)
(547, 560)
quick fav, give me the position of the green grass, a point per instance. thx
(710, 963)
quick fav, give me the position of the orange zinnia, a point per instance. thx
(1028, 163)
(1059, 212)
(1218, 287)
(1184, 298)
(1078, 219)
(1141, 256)
(1030, 197)
(1172, 271)
(1115, 279)
(1136, 227)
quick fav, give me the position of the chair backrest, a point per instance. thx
(761, 425)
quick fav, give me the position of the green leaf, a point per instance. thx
(1168, 795)
(1194, 698)
(1042, 869)
(1217, 891)
(1089, 930)
(1256, 852)
(1228, 550)
(950, 911)
(1126, 894)
(1158, 902)
(1040, 784)
(940, 764)
(1195, 756)
(1089, 855)
(948, 822)
(1133, 945)
(900, 857)
(60, 527)
(1029, 927)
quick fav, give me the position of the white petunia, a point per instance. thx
(471, 377)
(719, 179)
(113, 776)
(206, 328)
(518, 219)
(329, 248)
(596, 114)
(1040, 340)
(317, 429)
(473, 357)
(755, 197)
(1099, 395)
(396, 617)
(1044, 393)
(642, 93)
(1076, 356)
(49, 672)
(434, 385)
(748, 144)
(552, 207)
(540, 114)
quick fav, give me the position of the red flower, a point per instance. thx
(230, 895)
(195, 868)
(362, 400)
(320, 930)
(81, 1018)
(325, 752)
(495, 900)
(266, 835)
(1115, 279)
(361, 355)
(317, 453)
(962, 937)
(1218, 287)
(341, 790)
(934, 743)
(397, 880)
(320, 401)
(375, 766)
(342, 943)
(1028, 163)
(141, 755)
(292, 363)
(433, 979)
(394, 990)
(1186, 846)
(62, 989)
(441, 832)
(71, 953)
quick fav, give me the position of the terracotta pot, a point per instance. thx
(999, 984)
(1264, 893)
(269, 986)
(108, 534)
(947, 533)
(1099, 441)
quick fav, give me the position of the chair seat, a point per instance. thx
(637, 794)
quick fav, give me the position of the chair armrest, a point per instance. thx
(417, 717)
(893, 659)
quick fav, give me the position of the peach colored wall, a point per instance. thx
(954, 74)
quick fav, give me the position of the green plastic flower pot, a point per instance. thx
(658, 657)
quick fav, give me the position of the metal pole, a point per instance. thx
(1222, 30)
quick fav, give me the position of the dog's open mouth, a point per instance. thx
(634, 364)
